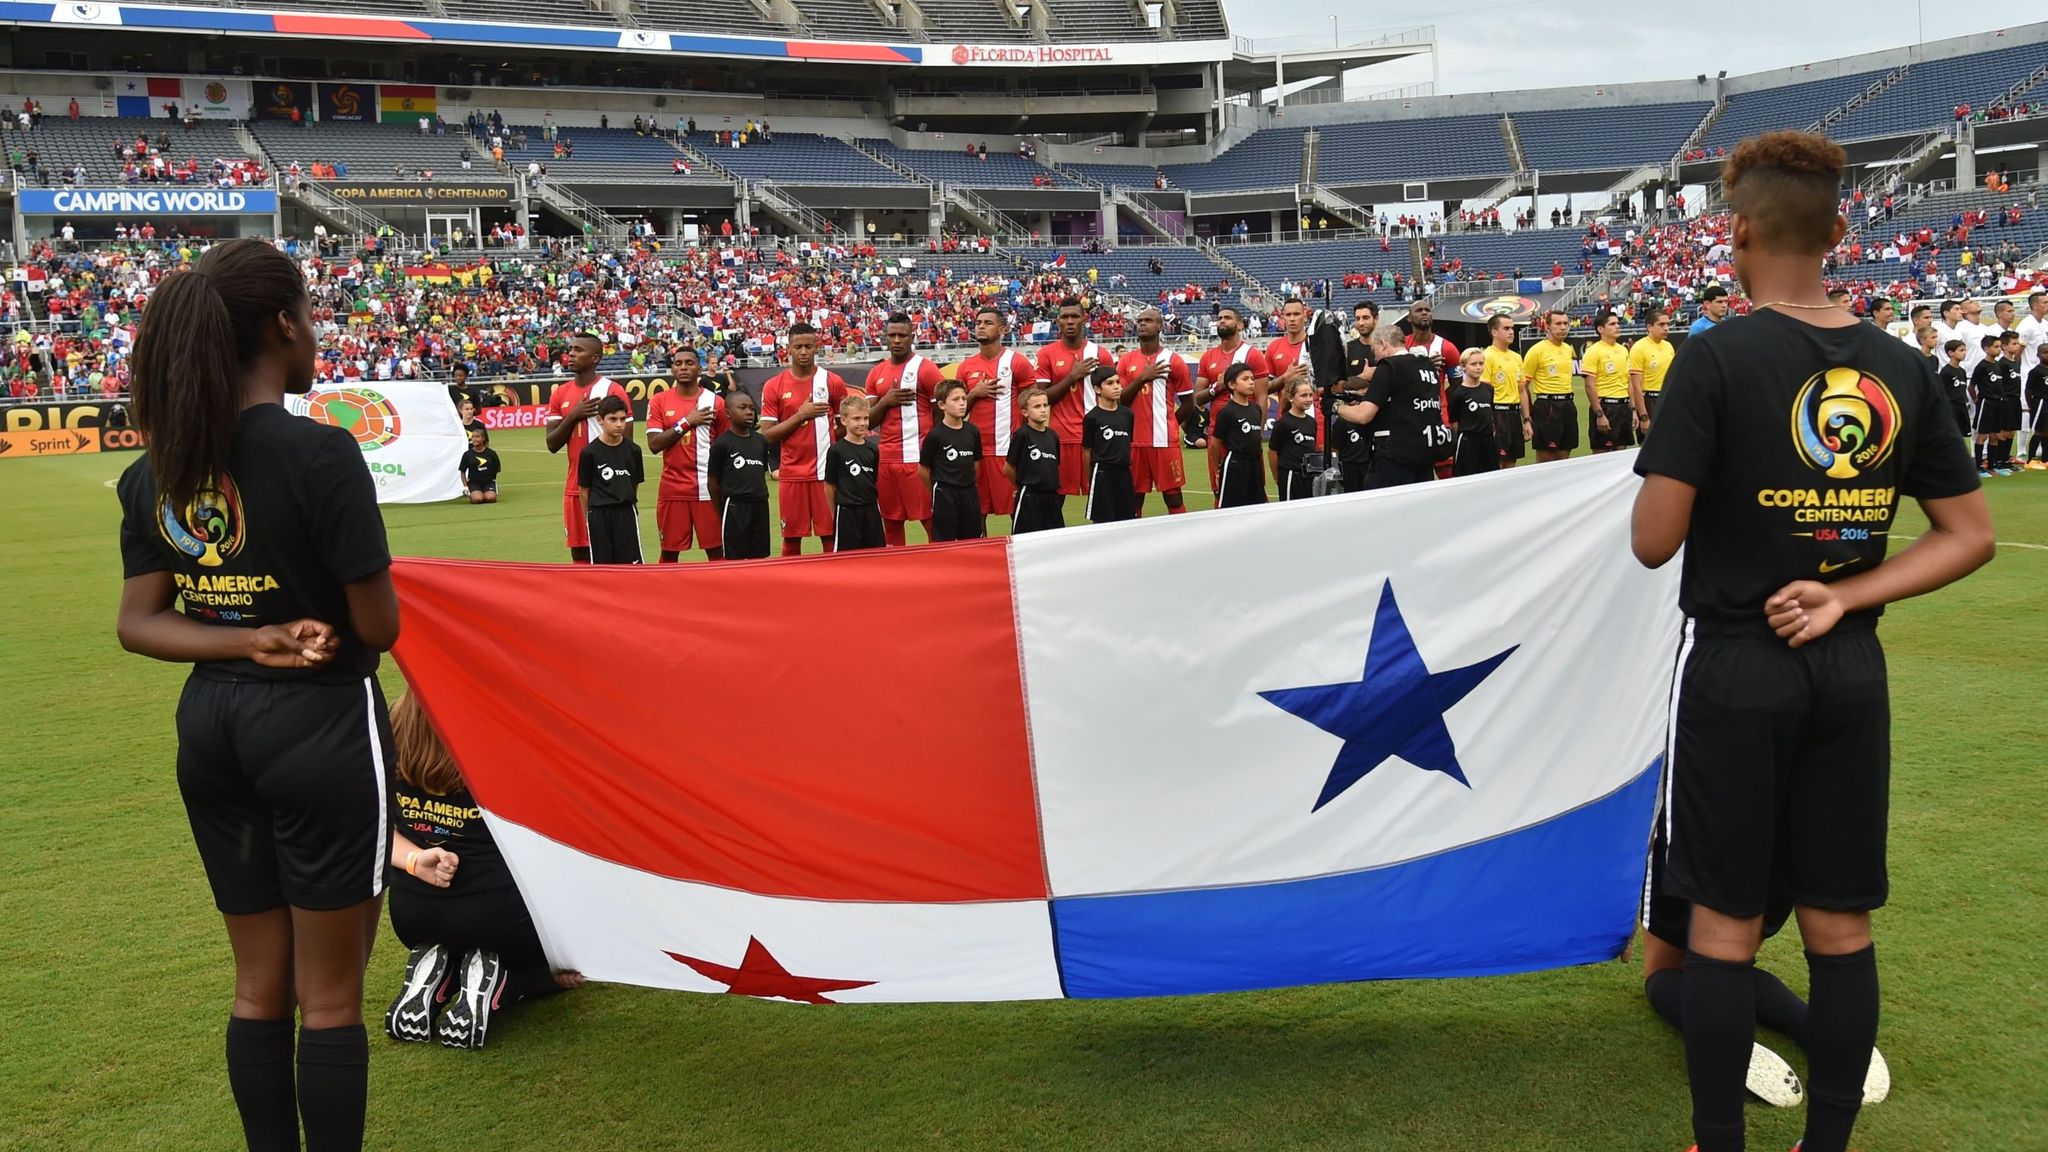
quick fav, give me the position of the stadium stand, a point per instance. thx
(530, 11)
(998, 169)
(372, 151)
(1096, 20)
(382, 7)
(1137, 177)
(798, 158)
(847, 19)
(1786, 106)
(1929, 93)
(1938, 215)
(1199, 20)
(708, 14)
(92, 141)
(1569, 139)
(1390, 150)
(971, 21)
(619, 154)
(1265, 159)
(1179, 266)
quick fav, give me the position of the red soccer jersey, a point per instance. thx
(1280, 356)
(686, 466)
(996, 415)
(902, 429)
(803, 451)
(1215, 360)
(565, 398)
(1055, 360)
(1151, 405)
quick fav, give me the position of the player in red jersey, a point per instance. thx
(904, 388)
(1210, 395)
(993, 377)
(572, 423)
(1423, 338)
(681, 424)
(1067, 367)
(797, 408)
(1288, 361)
(1155, 380)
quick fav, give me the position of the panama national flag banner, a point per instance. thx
(1412, 733)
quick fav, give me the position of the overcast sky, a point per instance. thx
(1496, 45)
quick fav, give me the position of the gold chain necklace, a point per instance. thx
(1789, 304)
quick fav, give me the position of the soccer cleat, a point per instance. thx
(468, 1016)
(411, 1016)
(2036, 466)
(1877, 1083)
(1771, 1079)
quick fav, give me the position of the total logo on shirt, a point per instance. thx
(605, 472)
(739, 461)
(853, 468)
(952, 453)
(1038, 453)
(1109, 433)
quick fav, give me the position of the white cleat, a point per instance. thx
(1772, 1080)
(1877, 1083)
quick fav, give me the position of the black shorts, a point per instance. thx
(1555, 421)
(743, 526)
(495, 920)
(956, 514)
(2009, 414)
(1354, 475)
(1240, 482)
(1964, 418)
(1038, 511)
(1110, 494)
(614, 534)
(1669, 918)
(1295, 485)
(1507, 431)
(1621, 428)
(1986, 420)
(1650, 404)
(287, 786)
(1778, 770)
(492, 486)
(857, 526)
(1386, 473)
(1473, 454)
(2040, 417)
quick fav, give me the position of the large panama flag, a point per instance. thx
(1415, 733)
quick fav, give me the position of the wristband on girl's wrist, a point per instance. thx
(411, 858)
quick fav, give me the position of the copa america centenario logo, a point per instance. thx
(1845, 422)
(210, 528)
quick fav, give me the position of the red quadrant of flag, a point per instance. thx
(833, 728)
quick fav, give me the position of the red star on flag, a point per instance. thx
(761, 974)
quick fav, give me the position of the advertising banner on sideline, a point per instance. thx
(407, 430)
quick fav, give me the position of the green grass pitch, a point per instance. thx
(115, 976)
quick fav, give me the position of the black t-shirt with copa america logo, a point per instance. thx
(850, 468)
(1800, 441)
(740, 465)
(274, 540)
(1035, 456)
(950, 454)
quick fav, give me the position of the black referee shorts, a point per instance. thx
(956, 514)
(1507, 431)
(1650, 403)
(287, 787)
(1621, 428)
(1473, 454)
(1240, 482)
(1778, 770)
(743, 526)
(1038, 511)
(857, 526)
(1554, 419)
(1110, 494)
(614, 534)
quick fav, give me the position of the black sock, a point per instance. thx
(334, 1086)
(1779, 1007)
(1666, 990)
(1841, 1029)
(260, 1076)
(1720, 1025)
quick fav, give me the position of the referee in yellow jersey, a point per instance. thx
(1511, 429)
(1610, 420)
(1547, 369)
(1648, 360)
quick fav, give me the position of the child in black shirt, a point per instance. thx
(1955, 384)
(1471, 399)
(739, 480)
(608, 478)
(948, 458)
(480, 468)
(851, 464)
(1106, 455)
(1241, 476)
(1294, 437)
(2037, 404)
(1034, 467)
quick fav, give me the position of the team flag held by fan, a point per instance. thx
(1310, 742)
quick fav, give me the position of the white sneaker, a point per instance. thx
(1772, 1080)
(1877, 1083)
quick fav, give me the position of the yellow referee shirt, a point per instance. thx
(1548, 369)
(1606, 365)
(1652, 358)
(1504, 371)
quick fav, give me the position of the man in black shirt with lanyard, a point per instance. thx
(1403, 414)
(1780, 450)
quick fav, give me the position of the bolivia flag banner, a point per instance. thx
(1412, 733)
(405, 103)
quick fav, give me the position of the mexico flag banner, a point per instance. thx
(409, 433)
(1411, 733)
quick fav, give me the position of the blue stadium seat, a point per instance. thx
(1928, 95)
(1569, 139)
(798, 158)
(1788, 106)
(999, 169)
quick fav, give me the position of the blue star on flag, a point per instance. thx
(1395, 709)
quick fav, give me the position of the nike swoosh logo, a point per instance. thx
(1826, 567)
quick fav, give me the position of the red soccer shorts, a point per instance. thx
(1073, 477)
(998, 495)
(1157, 470)
(901, 494)
(679, 519)
(572, 519)
(806, 508)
